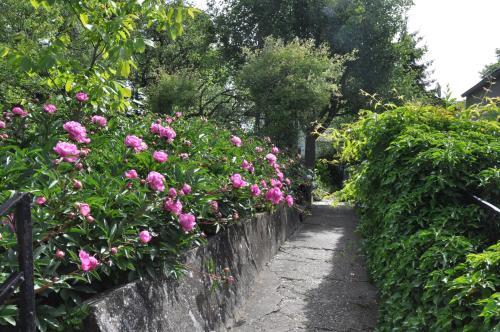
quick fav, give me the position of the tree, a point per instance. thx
(94, 45)
(290, 85)
(488, 69)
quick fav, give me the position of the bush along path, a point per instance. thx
(317, 282)
(117, 197)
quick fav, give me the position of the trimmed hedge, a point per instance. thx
(433, 254)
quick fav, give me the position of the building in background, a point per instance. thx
(488, 87)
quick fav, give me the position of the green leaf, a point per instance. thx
(125, 69)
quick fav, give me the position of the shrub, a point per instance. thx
(433, 254)
(120, 198)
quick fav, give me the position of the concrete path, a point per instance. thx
(317, 282)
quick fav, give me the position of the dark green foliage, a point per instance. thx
(433, 254)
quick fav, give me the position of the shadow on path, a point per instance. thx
(317, 282)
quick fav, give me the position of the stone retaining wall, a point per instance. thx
(188, 304)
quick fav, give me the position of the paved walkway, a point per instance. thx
(317, 282)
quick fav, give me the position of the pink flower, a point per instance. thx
(49, 108)
(2, 125)
(89, 263)
(214, 206)
(82, 97)
(99, 120)
(275, 150)
(19, 112)
(145, 237)
(155, 128)
(160, 156)
(254, 190)
(76, 132)
(274, 195)
(84, 209)
(236, 141)
(289, 200)
(68, 151)
(276, 183)
(237, 181)
(280, 175)
(184, 156)
(113, 250)
(89, 219)
(168, 133)
(169, 120)
(40, 200)
(155, 181)
(174, 207)
(186, 189)
(178, 114)
(131, 174)
(187, 222)
(172, 192)
(77, 185)
(288, 182)
(247, 166)
(60, 254)
(135, 143)
(271, 158)
(258, 149)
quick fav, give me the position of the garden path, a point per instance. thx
(317, 282)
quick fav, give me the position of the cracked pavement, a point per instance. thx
(317, 281)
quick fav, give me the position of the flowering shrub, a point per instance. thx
(433, 254)
(121, 197)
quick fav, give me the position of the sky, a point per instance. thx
(461, 37)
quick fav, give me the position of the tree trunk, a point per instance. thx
(310, 150)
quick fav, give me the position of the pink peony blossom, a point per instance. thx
(82, 97)
(49, 108)
(186, 189)
(155, 128)
(155, 181)
(19, 112)
(275, 150)
(84, 209)
(172, 192)
(274, 195)
(77, 185)
(246, 165)
(288, 182)
(2, 125)
(131, 174)
(271, 158)
(263, 183)
(160, 156)
(68, 151)
(174, 207)
(89, 219)
(280, 175)
(187, 222)
(168, 133)
(113, 250)
(145, 237)
(254, 190)
(89, 263)
(236, 141)
(76, 132)
(276, 183)
(99, 120)
(184, 156)
(289, 200)
(237, 181)
(169, 120)
(59, 254)
(258, 149)
(135, 143)
(40, 200)
(178, 114)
